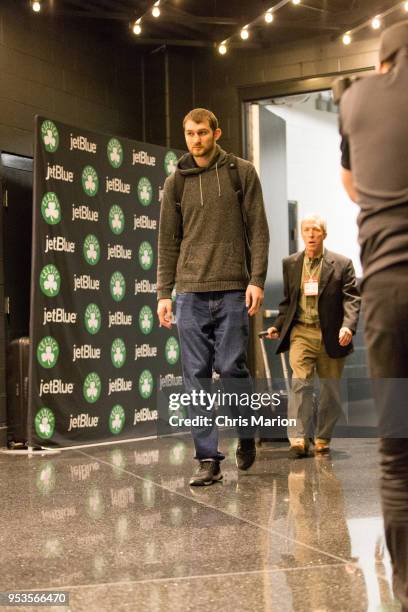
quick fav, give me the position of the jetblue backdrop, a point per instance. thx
(98, 358)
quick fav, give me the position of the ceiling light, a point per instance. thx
(347, 39)
(268, 17)
(406, 6)
(245, 33)
(137, 28)
(36, 6)
(156, 11)
(376, 23)
(222, 48)
(296, 1)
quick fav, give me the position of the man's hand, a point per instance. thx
(164, 312)
(345, 336)
(273, 333)
(254, 297)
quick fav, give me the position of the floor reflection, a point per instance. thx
(288, 536)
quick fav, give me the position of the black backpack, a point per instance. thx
(179, 180)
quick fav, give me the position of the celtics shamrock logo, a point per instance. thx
(146, 320)
(95, 503)
(50, 280)
(177, 453)
(47, 352)
(49, 136)
(92, 388)
(118, 353)
(117, 286)
(146, 255)
(44, 423)
(172, 350)
(170, 163)
(144, 191)
(90, 181)
(145, 384)
(50, 208)
(116, 219)
(46, 478)
(116, 419)
(92, 319)
(91, 250)
(115, 153)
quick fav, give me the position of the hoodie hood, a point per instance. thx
(187, 167)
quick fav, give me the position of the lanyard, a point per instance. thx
(310, 271)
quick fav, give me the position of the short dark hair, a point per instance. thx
(198, 115)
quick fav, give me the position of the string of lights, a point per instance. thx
(154, 11)
(268, 17)
(375, 22)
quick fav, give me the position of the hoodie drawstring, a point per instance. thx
(201, 185)
(201, 191)
(218, 179)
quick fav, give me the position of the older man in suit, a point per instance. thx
(317, 319)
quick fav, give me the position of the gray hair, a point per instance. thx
(317, 219)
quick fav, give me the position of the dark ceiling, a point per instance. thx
(207, 22)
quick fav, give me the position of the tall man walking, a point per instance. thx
(212, 210)
(317, 319)
(374, 128)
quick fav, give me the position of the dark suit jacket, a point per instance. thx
(338, 300)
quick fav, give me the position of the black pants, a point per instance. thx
(385, 302)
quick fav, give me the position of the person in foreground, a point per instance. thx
(317, 319)
(212, 208)
(374, 128)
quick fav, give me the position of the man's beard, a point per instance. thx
(203, 151)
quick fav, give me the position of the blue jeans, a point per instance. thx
(213, 330)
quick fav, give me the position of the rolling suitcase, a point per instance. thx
(17, 392)
(278, 433)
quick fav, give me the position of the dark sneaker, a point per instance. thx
(322, 445)
(299, 450)
(208, 471)
(245, 454)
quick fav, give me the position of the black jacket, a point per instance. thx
(338, 301)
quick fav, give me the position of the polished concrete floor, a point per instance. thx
(120, 529)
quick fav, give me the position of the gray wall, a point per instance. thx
(273, 174)
(75, 71)
(221, 77)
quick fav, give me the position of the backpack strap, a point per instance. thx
(178, 187)
(179, 180)
(234, 176)
(237, 187)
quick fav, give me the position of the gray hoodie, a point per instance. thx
(208, 252)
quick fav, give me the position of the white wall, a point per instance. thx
(313, 173)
